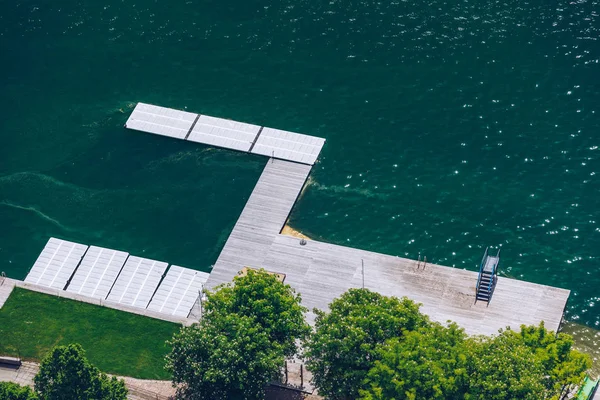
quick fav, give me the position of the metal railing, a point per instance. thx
(494, 272)
(481, 270)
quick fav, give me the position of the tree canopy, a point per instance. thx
(530, 364)
(345, 344)
(429, 363)
(375, 347)
(271, 304)
(503, 367)
(13, 391)
(241, 343)
(66, 374)
(562, 365)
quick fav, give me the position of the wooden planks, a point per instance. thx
(261, 220)
(320, 272)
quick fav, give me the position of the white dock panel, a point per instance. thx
(97, 272)
(56, 263)
(161, 120)
(137, 282)
(288, 146)
(178, 291)
(224, 133)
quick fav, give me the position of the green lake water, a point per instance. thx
(450, 126)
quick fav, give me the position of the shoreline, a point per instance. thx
(289, 231)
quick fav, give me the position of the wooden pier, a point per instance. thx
(261, 220)
(319, 271)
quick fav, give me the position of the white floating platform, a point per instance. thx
(288, 146)
(178, 292)
(56, 263)
(161, 121)
(137, 282)
(97, 272)
(226, 133)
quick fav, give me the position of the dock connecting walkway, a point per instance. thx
(319, 271)
(262, 219)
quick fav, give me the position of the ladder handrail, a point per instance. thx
(493, 277)
(481, 270)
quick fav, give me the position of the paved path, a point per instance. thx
(6, 287)
(139, 389)
(22, 375)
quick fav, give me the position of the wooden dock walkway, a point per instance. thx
(321, 272)
(261, 220)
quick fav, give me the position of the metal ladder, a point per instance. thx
(487, 277)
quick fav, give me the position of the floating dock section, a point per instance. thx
(115, 279)
(178, 292)
(97, 272)
(225, 133)
(56, 264)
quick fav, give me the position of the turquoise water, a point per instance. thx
(450, 126)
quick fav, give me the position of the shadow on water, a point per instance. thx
(587, 340)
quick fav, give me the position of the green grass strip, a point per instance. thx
(116, 342)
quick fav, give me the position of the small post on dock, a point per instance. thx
(200, 294)
(363, 272)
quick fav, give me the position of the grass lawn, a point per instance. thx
(116, 342)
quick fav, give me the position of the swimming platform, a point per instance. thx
(319, 271)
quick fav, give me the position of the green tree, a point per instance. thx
(563, 365)
(344, 346)
(429, 363)
(230, 357)
(66, 374)
(502, 367)
(241, 343)
(271, 304)
(13, 391)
